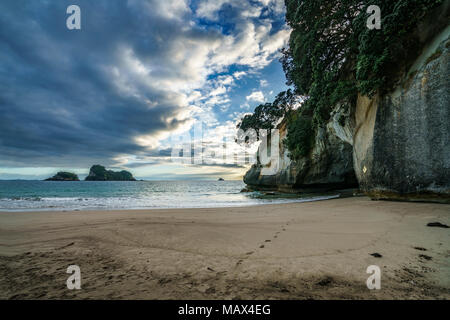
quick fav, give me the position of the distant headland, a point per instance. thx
(96, 173)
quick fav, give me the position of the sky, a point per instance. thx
(141, 80)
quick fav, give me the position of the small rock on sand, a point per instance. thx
(437, 224)
(376, 255)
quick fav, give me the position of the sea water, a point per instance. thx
(108, 195)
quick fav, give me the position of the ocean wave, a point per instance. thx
(21, 199)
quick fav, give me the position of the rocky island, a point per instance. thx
(64, 176)
(99, 173)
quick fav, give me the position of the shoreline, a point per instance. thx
(306, 250)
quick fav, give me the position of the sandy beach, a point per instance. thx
(314, 250)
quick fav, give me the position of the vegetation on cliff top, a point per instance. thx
(333, 56)
(266, 115)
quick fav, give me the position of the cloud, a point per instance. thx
(245, 106)
(239, 74)
(257, 96)
(136, 72)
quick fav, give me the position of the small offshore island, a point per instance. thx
(96, 173)
(99, 173)
(64, 176)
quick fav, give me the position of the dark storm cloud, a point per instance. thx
(60, 97)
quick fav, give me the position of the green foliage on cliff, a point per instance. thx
(266, 115)
(333, 56)
(301, 129)
(99, 173)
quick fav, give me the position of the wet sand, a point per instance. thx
(315, 250)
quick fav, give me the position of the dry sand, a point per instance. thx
(316, 250)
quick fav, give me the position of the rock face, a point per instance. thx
(397, 144)
(64, 176)
(99, 173)
(328, 166)
(402, 139)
